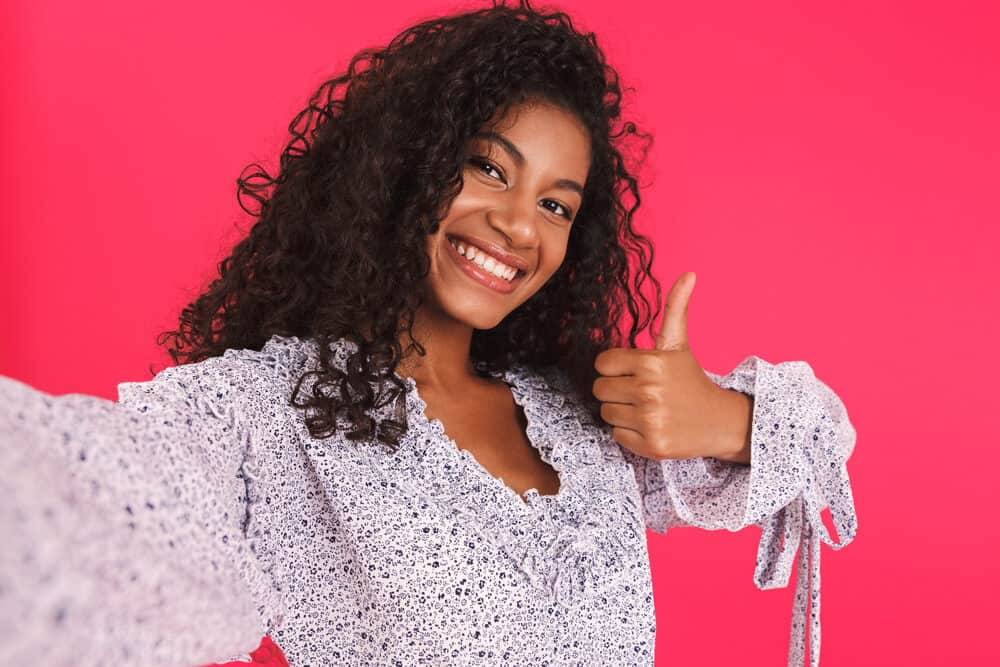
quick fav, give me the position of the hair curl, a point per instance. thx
(338, 245)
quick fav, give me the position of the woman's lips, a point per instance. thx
(481, 276)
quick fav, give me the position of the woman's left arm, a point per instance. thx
(675, 426)
(800, 440)
(686, 434)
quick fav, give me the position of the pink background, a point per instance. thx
(829, 172)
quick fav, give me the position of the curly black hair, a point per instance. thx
(338, 245)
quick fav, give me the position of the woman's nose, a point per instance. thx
(517, 219)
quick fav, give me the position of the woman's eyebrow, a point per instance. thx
(518, 157)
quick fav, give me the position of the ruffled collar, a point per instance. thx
(570, 542)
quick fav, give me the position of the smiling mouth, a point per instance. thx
(485, 261)
(480, 275)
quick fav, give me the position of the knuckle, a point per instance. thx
(663, 448)
(649, 363)
(648, 392)
(658, 417)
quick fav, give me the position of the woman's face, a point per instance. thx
(522, 189)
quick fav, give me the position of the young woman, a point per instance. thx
(405, 426)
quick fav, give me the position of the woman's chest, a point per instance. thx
(441, 504)
(492, 428)
(374, 547)
(372, 556)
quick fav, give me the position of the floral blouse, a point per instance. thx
(194, 516)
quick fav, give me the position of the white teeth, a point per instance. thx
(484, 261)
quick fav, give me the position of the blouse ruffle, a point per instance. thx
(558, 542)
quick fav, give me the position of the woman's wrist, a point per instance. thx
(737, 441)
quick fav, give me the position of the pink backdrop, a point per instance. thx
(829, 172)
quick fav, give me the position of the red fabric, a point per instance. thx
(267, 654)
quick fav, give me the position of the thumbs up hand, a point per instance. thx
(660, 402)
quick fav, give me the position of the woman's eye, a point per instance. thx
(566, 213)
(484, 164)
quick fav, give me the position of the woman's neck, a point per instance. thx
(447, 365)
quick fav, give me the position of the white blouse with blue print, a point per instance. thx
(180, 524)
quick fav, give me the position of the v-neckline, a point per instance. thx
(531, 497)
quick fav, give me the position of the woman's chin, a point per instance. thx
(482, 321)
(474, 314)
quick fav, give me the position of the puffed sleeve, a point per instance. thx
(801, 439)
(123, 524)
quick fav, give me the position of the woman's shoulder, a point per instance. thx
(549, 380)
(237, 374)
(552, 393)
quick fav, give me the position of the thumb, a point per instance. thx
(673, 330)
